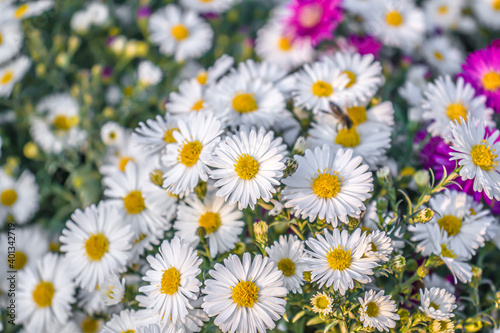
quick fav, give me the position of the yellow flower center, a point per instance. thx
(352, 78)
(198, 105)
(322, 302)
(168, 135)
(54, 247)
(286, 266)
(21, 11)
(484, 156)
(434, 305)
(348, 137)
(372, 309)
(491, 81)
(451, 224)
(244, 103)
(456, 110)
(65, 123)
(190, 153)
(210, 221)
(1, 38)
(246, 167)
(170, 281)
(447, 252)
(284, 44)
(7, 77)
(372, 247)
(472, 211)
(96, 246)
(89, 325)
(394, 18)
(322, 89)
(43, 294)
(139, 238)
(179, 32)
(357, 114)
(202, 77)
(245, 293)
(442, 10)
(438, 55)
(339, 258)
(123, 161)
(8, 197)
(326, 185)
(134, 202)
(128, 331)
(20, 260)
(495, 4)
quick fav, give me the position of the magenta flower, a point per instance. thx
(482, 70)
(365, 44)
(314, 19)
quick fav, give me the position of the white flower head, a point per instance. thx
(378, 311)
(11, 73)
(18, 197)
(437, 303)
(322, 303)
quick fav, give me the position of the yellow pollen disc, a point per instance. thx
(434, 305)
(284, 44)
(21, 11)
(456, 110)
(134, 202)
(352, 78)
(190, 153)
(54, 247)
(394, 18)
(357, 114)
(495, 4)
(202, 77)
(286, 266)
(43, 294)
(1, 38)
(206, 1)
(127, 91)
(168, 135)
(339, 258)
(89, 325)
(246, 167)
(123, 161)
(484, 156)
(451, 224)
(326, 185)
(244, 103)
(170, 281)
(7, 77)
(245, 293)
(472, 211)
(198, 105)
(140, 238)
(112, 135)
(442, 10)
(179, 32)
(322, 89)
(491, 81)
(322, 302)
(446, 252)
(373, 247)
(348, 137)
(372, 309)
(65, 123)
(20, 260)
(8, 197)
(438, 55)
(128, 331)
(96, 246)
(210, 221)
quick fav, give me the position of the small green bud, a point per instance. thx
(307, 276)
(411, 265)
(290, 167)
(382, 204)
(383, 174)
(423, 216)
(421, 178)
(239, 248)
(422, 271)
(156, 177)
(398, 263)
(260, 230)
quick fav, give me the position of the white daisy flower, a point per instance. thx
(180, 33)
(412, 90)
(11, 73)
(172, 281)
(245, 296)
(144, 242)
(379, 246)
(86, 323)
(122, 153)
(337, 259)
(211, 6)
(443, 55)
(112, 290)
(56, 127)
(434, 280)
(186, 160)
(212, 74)
(222, 223)
(91, 302)
(11, 39)
(364, 8)
(18, 197)
(28, 9)
(112, 133)
(400, 24)
(378, 311)
(148, 74)
(288, 254)
(45, 294)
(488, 13)
(239, 101)
(364, 73)
(447, 101)
(273, 45)
(437, 303)
(443, 14)
(191, 97)
(155, 134)
(322, 303)
(476, 154)
(317, 85)
(443, 326)
(328, 186)
(247, 166)
(121, 323)
(143, 205)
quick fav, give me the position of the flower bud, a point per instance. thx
(30, 150)
(383, 173)
(422, 271)
(421, 178)
(423, 216)
(398, 263)
(156, 177)
(260, 230)
(239, 248)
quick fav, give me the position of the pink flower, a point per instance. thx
(365, 44)
(315, 19)
(482, 70)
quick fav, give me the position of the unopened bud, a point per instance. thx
(398, 263)
(30, 150)
(260, 230)
(307, 276)
(156, 177)
(290, 167)
(300, 146)
(422, 271)
(239, 248)
(383, 173)
(423, 216)
(382, 204)
(421, 178)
